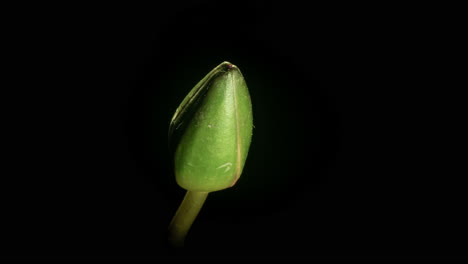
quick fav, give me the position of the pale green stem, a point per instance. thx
(184, 217)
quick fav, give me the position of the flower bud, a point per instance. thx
(214, 122)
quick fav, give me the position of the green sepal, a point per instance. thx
(215, 125)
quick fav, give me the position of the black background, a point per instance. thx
(345, 160)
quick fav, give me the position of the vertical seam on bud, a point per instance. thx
(238, 163)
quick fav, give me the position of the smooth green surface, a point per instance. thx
(184, 217)
(212, 150)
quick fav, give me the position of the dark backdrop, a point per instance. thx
(339, 166)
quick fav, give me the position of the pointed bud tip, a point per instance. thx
(229, 65)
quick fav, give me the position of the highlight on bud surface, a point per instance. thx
(214, 124)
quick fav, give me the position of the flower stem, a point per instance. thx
(184, 217)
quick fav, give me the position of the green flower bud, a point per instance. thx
(214, 122)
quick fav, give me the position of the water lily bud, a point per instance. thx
(215, 126)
